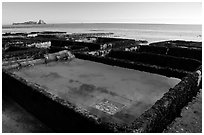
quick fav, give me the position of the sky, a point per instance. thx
(103, 12)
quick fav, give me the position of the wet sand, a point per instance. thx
(112, 93)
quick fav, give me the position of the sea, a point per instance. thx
(137, 31)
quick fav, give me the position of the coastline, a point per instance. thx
(150, 32)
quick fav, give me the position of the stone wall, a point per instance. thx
(32, 52)
(165, 110)
(62, 43)
(184, 64)
(166, 71)
(191, 53)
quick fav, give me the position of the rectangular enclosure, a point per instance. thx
(112, 93)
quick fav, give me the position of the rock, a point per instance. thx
(30, 23)
(41, 22)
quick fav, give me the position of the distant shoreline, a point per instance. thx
(25, 24)
(107, 23)
(30, 23)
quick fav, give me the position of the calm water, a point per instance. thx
(149, 32)
(87, 83)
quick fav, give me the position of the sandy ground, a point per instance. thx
(15, 119)
(190, 120)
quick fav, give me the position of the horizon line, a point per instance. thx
(117, 23)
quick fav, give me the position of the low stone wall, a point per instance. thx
(16, 48)
(178, 43)
(62, 43)
(152, 49)
(192, 53)
(166, 71)
(32, 52)
(73, 48)
(22, 64)
(103, 40)
(57, 56)
(186, 52)
(185, 64)
(116, 43)
(165, 110)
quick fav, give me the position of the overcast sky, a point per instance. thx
(137, 12)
